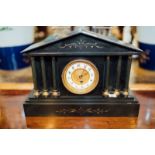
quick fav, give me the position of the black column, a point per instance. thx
(118, 74)
(127, 76)
(44, 78)
(34, 75)
(106, 88)
(55, 91)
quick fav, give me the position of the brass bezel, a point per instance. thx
(74, 90)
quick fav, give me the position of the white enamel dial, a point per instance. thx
(80, 76)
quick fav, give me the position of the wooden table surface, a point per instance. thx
(12, 114)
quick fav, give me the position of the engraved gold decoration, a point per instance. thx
(83, 44)
(80, 76)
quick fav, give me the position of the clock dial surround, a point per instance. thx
(80, 76)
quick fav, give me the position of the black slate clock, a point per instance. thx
(82, 74)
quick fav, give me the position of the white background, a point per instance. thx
(77, 142)
(77, 13)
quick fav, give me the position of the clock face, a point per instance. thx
(80, 76)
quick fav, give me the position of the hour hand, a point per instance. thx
(80, 76)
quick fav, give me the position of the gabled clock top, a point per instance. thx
(83, 43)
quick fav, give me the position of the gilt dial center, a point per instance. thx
(80, 76)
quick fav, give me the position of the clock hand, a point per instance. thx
(82, 74)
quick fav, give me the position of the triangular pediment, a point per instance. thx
(81, 43)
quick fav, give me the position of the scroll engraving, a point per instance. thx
(81, 110)
(82, 44)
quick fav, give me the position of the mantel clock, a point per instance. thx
(81, 74)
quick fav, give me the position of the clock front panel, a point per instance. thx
(80, 75)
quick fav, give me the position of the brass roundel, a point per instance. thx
(80, 76)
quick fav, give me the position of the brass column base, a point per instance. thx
(45, 93)
(36, 93)
(125, 93)
(55, 93)
(105, 93)
(117, 92)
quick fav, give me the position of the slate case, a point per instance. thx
(111, 57)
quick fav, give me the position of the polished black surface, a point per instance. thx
(127, 107)
(79, 40)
